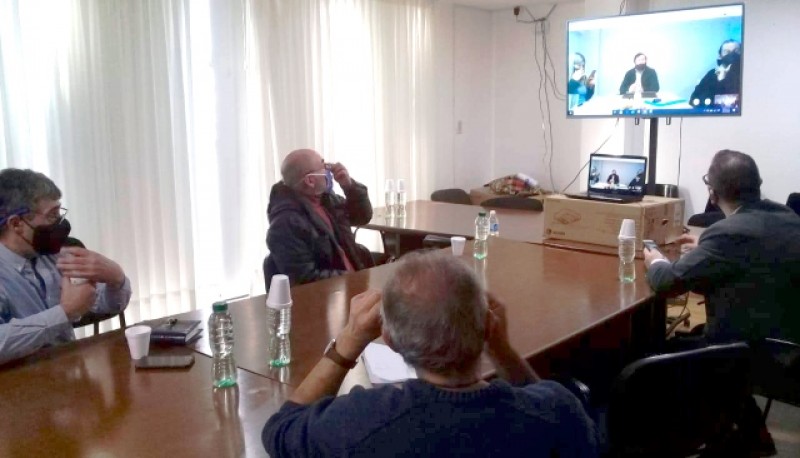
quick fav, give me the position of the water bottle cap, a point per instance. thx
(492, 212)
(401, 185)
(389, 185)
(482, 213)
(220, 306)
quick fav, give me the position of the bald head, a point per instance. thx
(298, 164)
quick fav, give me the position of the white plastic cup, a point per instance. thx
(401, 185)
(627, 229)
(138, 341)
(389, 185)
(457, 244)
(280, 295)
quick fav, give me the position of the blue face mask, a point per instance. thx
(328, 180)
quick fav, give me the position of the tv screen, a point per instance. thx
(669, 63)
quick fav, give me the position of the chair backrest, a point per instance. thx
(776, 370)
(669, 405)
(793, 202)
(452, 196)
(517, 203)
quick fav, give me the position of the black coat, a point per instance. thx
(649, 80)
(302, 246)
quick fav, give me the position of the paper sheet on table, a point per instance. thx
(385, 366)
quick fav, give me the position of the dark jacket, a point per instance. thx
(710, 86)
(748, 267)
(649, 80)
(302, 246)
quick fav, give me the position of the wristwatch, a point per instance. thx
(333, 355)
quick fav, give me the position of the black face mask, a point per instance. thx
(728, 59)
(49, 239)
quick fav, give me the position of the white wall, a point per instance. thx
(767, 130)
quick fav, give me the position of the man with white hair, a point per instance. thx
(438, 317)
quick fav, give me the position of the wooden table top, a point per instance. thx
(87, 399)
(440, 218)
(551, 295)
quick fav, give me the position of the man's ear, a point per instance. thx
(713, 197)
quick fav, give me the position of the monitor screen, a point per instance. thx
(670, 63)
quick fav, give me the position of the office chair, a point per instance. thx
(711, 215)
(675, 404)
(516, 203)
(776, 371)
(793, 202)
(452, 196)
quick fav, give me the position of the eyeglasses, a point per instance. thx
(705, 179)
(54, 216)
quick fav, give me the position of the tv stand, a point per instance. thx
(651, 158)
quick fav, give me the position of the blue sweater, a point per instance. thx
(419, 419)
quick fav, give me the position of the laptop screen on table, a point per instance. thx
(620, 175)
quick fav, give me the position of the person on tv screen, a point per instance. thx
(725, 78)
(640, 78)
(613, 178)
(580, 87)
(594, 176)
(637, 181)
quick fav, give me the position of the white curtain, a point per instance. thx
(164, 122)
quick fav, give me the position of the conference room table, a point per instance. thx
(86, 398)
(558, 302)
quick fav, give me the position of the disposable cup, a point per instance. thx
(138, 341)
(627, 229)
(457, 244)
(280, 295)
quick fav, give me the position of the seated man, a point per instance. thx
(38, 301)
(438, 317)
(640, 78)
(309, 236)
(747, 265)
(725, 78)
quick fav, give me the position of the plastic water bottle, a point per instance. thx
(481, 248)
(627, 251)
(279, 321)
(400, 204)
(494, 224)
(220, 336)
(390, 198)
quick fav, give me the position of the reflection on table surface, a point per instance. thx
(87, 399)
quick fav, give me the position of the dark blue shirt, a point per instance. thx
(419, 419)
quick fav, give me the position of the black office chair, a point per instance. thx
(452, 196)
(516, 203)
(675, 404)
(711, 215)
(793, 202)
(776, 371)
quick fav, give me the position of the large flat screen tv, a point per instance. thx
(670, 63)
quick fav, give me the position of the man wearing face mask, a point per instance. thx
(724, 79)
(640, 78)
(39, 294)
(310, 235)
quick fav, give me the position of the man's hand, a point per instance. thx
(688, 242)
(76, 299)
(497, 331)
(341, 175)
(650, 256)
(76, 262)
(363, 326)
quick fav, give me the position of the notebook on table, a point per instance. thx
(615, 178)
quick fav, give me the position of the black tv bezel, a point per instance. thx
(655, 113)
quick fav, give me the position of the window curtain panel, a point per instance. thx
(164, 123)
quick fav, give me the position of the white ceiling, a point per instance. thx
(504, 4)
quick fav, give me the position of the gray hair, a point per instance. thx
(21, 191)
(434, 310)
